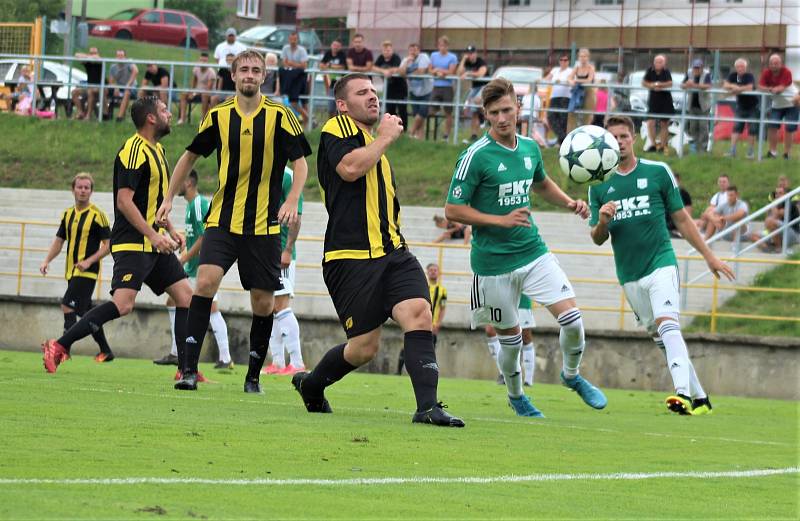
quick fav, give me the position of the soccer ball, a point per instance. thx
(589, 154)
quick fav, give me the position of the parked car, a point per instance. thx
(272, 38)
(521, 77)
(50, 72)
(166, 26)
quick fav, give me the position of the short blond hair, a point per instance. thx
(248, 54)
(83, 175)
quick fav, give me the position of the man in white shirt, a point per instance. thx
(229, 46)
(723, 182)
(559, 96)
(292, 74)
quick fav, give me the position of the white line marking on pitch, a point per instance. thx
(620, 476)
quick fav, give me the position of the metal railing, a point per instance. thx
(315, 99)
(16, 271)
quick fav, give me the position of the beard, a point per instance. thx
(162, 130)
(248, 90)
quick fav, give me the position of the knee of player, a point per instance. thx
(362, 353)
(124, 307)
(667, 325)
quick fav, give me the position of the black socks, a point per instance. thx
(422, 367)
(332, 368)
(260, 331)
(89, 324)
(196, 327)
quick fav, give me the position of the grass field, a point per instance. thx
(46, 154)
(115, 441)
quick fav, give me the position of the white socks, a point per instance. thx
(286, 337)
(677, 355)
(493, 344)
(571, 339)
(508, 363)
(220, 330)
(174, 349)
(529, 362)
(695, 388)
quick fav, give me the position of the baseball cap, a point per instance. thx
(697, 63)
(230, 31)
(471, 48)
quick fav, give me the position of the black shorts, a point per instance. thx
(78, 296)
(365, 291)
(159, 271)
(293, 83)
(259, 257)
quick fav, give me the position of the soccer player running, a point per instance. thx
(254, 138)
(142, 250)
(490, 191)
(367, 267)
(197, 207)
(84, 227)
(286, 329)
(630, 207)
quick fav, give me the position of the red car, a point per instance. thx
(165, 26)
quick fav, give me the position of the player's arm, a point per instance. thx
(553, 194)
(442, 308)
(469, 215)
(102, 251)
(192, 252)
(132, 214)
(356, 163)
(287, 214)
(52, 253)
(182, 169)
(685, 225)
(291, 239)
(599, 231)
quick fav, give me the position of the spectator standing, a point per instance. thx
(158, 77)
(601, 106)
(532, 101)
(473, 67)
(122, 76)
(443, 64)
(292, 74)
(658, 80)
(742, 83)
(203, 78)
(229, 46)
(777, 80)
(225, 82)
(729, 211)
(581, 96)
(559, 97)
(90, 91)
(687, 204)
(698, 81)
(419, 89)
(271, 85)
(388, 64)
(359, 58)
(334, 59)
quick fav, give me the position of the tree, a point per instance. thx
(211, 12)
(27, 11)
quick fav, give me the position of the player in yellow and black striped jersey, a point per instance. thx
(142, 253)
(367, 267)
(84, 228)
(254, 138)
(438, 294)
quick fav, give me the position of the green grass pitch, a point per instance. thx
(115, 441)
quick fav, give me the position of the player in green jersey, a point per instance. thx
(196, 210)
(490, 191)
(630, 208)
(286, 329)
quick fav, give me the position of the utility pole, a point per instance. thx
(68, 34)
(83, 10)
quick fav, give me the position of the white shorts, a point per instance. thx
(526, 320)
(495, 297)
(193, 283)
(287, 279)
(654, 296)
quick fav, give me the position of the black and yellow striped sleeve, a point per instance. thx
(290, 135)
(102, 224)
(131, 163)
(340, 136)
(207, 137)
(62, 228)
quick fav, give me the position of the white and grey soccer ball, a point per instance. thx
(589, 154)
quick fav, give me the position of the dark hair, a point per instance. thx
(732, 188)
(431, 264)
(496, 89)
(358, 35)
(204, 53)
(193, 177)
(340, 90)
(613, 121)
(141, 108)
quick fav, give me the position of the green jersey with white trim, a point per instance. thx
(196, 212)
(496, 180)
(286, 187)
(639, 235)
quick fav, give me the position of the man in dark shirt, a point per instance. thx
(334, 59)
(687, 203)
(157, 77)
(742, 83)
(359, 58)
(396, 87)
(658, 80)
(473, 66)
(224, 82)
(94, 73)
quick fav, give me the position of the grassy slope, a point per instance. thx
(124, 420)
(46, 154)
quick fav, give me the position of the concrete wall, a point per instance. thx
(741, 365)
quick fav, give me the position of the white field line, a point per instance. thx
(526, 423)
(467, 480)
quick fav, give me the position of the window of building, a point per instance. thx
(608, 2)
(285, 14)
(432, 3)
(517, 3)
(248, 8)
